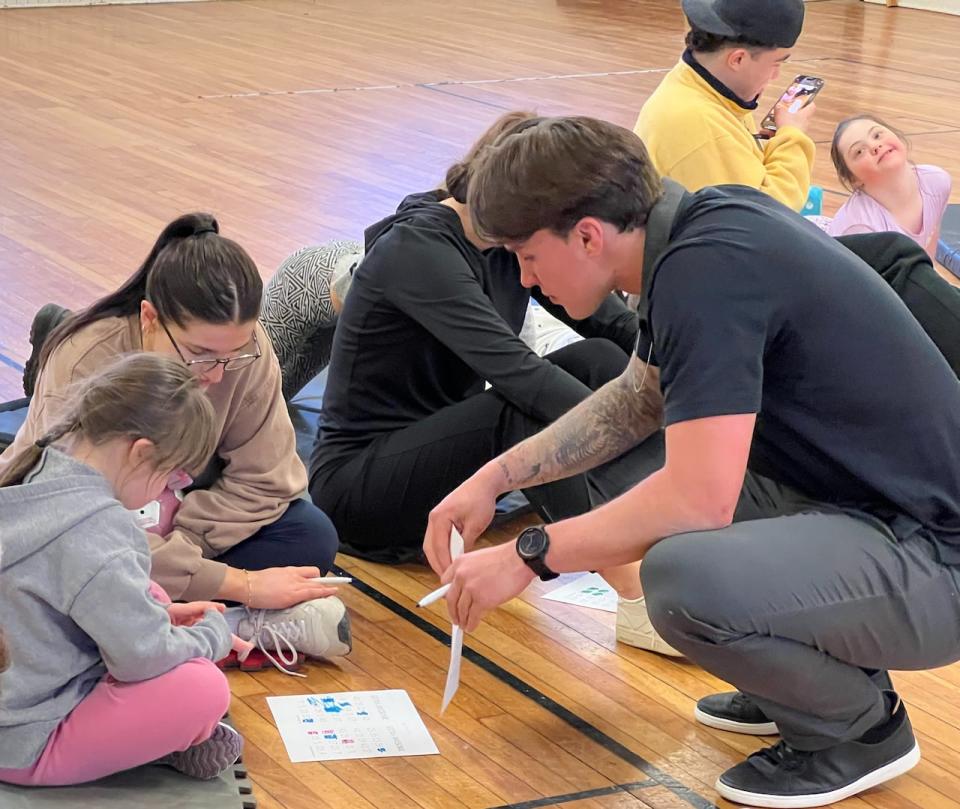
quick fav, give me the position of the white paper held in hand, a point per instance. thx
(456, 634)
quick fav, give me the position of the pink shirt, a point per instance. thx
(863, 214)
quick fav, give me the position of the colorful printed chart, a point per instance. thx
(355, 724)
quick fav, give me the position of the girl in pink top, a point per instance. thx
(889, 192)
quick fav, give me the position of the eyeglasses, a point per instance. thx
(206, 366)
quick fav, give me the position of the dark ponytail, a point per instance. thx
(192, 273)
(458, 175)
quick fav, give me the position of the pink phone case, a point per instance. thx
(814, 81)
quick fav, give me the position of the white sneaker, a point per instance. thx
(211, 757)
(318, 628)
(634, 628)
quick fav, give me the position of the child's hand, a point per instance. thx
(188, 614)
(241, 647)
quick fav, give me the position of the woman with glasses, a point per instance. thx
(242, 533)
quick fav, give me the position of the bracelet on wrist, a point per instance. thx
(246, 575)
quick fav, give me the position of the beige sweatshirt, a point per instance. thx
(262, 472)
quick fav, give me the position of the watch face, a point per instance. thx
(530, 542)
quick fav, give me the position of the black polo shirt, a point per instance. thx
(753, 309)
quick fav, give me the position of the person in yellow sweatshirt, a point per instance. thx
(698, 125)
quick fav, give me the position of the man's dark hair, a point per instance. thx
(549, 173)
(703, 42)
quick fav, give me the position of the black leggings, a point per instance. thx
(933, 301)
(380, 499)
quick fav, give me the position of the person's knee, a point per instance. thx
(594, 361)
(606, 357)
(659, 568)
(202, 690)
(677, 584)
(319, 534)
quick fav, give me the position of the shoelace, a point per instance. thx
(741, 700)
(280, 637)
(780, 756)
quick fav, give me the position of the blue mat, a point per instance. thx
(12, 415)
(948, 250)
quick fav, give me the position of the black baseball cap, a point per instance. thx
(774, 23)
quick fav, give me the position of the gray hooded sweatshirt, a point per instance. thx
(74, 606)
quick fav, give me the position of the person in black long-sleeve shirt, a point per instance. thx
(432, 315)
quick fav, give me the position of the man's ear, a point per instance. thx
(589, 232)
(736, 57)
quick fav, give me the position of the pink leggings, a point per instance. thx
(123, 725)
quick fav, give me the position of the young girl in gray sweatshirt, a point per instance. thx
(102, 676)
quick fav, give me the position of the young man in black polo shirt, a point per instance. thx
(803, 534)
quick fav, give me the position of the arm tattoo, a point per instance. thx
(518, 479)
(613, 420)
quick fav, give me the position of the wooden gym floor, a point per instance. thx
(296, 122)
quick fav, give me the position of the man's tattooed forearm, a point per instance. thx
(521, 479)
(616, 420)
(613, 420)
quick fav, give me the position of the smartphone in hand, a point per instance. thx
(797, 96)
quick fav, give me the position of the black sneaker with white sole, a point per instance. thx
(736, 712)
(783, 778)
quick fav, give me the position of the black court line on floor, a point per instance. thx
(579, 724)
(11, 363)
(446, 92)
(579, 796)
(852, 61)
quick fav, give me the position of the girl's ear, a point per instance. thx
(141, 452)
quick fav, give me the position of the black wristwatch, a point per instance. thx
(532, 546)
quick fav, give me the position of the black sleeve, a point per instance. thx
(710, 322)
(435, 286)
(614, 320)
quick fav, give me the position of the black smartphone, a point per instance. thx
(797, 95)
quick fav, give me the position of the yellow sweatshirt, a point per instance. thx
(262, 476)
(698, 137)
